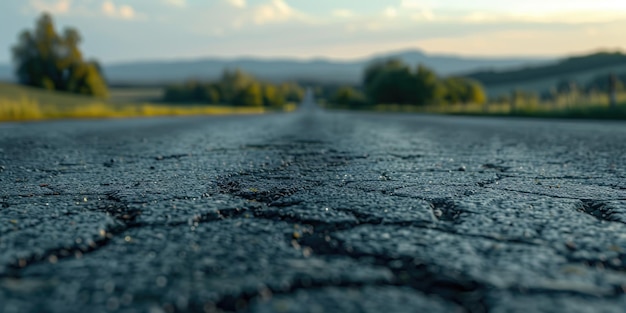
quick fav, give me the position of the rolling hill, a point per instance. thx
(289, 69)
(327, 70)
(541, 78)
(498, 75)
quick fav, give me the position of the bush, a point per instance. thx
(235, 88)
(348, 96)
(393, 82)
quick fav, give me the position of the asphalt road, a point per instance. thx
(313, 211)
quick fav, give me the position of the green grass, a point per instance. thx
(135, 94)
(594, 107)
(18, 103)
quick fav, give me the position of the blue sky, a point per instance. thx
(127, 30)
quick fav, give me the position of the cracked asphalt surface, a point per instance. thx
(313, 211)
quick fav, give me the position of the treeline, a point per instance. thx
(600, 83)
(394, 82)
(568, 89)
(565, 67)
(235, 88)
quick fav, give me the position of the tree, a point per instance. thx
(381, 81)
(272, 96)
(462, 90)
(234, 88)
(602, 83)
(454, 89)
(44, 59)
(393, 85)
(251, 95)
(233, 82)
(428, 88)
(378, 67)
(567, 86)
(350, 97)
(211, 94)
(475, 93)
(292, 92)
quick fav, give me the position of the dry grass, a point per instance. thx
(21, 103)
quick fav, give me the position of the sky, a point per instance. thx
(130, 30)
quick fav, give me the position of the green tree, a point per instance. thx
(475, 93)
(378, 67)
(84, 78)
(233, 82)
(454, 89)
(235, 88)
(428, 87)
(44, 59)
(292, 92)
(567, 86)
(350, 97)
(252, 95)
(461, 90)
(394, 82)
(602, 83)
(272, 96)
(393, 86)
(211, 94)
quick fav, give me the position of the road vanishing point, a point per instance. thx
(313, 211)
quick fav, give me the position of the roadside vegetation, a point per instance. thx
(55, 81)
(391, 86)
(394, 82)
(235, 88)
(18, 103)
(583, 111)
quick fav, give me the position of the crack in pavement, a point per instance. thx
(600, 210)
(194, 213)
(112, 206)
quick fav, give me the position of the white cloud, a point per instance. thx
(423, 15)
(275, 11)
(238, 3)
(108, 8)
(230, 20)
(123, 11)
(390, 12)
(529, 42)
(412, 4)
(343, 13)
(126, 11)
(53, 7)
(563, 17)
(176, 3)
(418, 10)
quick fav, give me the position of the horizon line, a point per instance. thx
(362, 58)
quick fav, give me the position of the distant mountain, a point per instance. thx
(540, 78)
(498, 75)
(289, 69)
(6, 73)
(275, 70)
(453, 65)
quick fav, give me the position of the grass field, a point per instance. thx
(18, 103)
(582, 108)
(544, 84)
